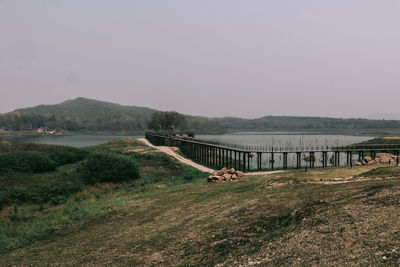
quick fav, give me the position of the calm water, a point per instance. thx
(278, 139)
(252, 139)
(68, 140)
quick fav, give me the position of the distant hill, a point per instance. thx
(80, 114)
(88, 115)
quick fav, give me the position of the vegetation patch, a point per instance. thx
(382, 172)
(108, 167)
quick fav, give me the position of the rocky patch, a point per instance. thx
(225, 175)
(380, 158)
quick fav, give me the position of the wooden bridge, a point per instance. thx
(251, 158)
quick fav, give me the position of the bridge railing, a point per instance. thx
(168, 140)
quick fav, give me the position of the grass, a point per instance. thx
(35, 207)
(172, 217)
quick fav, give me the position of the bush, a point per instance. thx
(53, 190)
(108, 167)
(65, 157)
(27, 162)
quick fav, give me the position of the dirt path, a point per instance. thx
(168, 150)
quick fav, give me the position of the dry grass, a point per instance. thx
(244, 223)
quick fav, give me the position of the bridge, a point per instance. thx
(258, 158)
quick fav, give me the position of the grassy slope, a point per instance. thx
(30, 220)
(252, 221)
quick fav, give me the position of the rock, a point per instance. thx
(4, 142)
(371, 162)
(359, 163)
(384, 258)
(368, 159)
(212, 178)
(383, 157)
(227, 177)
(239, 174)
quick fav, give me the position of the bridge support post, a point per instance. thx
(272, 160)
(239, 159)
(298, 158)
(248, 161)
(230, 158)
(397, 158)
(324, 159)
(285, 160)
(312, 159)
(244, 161)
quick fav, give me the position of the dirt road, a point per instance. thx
(168, 150)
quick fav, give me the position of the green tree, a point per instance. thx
(167, 122)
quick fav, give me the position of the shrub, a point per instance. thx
(27, 162)
(53, 190)
(108, 167)
(65, 157)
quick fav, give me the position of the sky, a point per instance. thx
(213, 58)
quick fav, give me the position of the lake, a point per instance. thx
(67, 140)
(246, 138)
(284, 139)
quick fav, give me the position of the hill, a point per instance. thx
(88, 115)
(80, 114)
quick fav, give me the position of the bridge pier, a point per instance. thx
(397, 158)
(285, 160)
(298, 158)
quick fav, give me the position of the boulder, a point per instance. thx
(224, 170)
(220, 172)
(213, 178)
(368, 159)
(359, 163)
(231, 171)
(239, 174)
(383, 157)
(227, 177)
(234, 177)
(371, 162)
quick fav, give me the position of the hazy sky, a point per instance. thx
(214, 58)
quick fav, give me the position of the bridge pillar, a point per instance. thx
(312, 159)
(230, 158)
(235, 160)
(239, 159)
(325, 159)
(244, 161)
(285, 160)
(272, 160)
(298, 158)
(397, 158)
